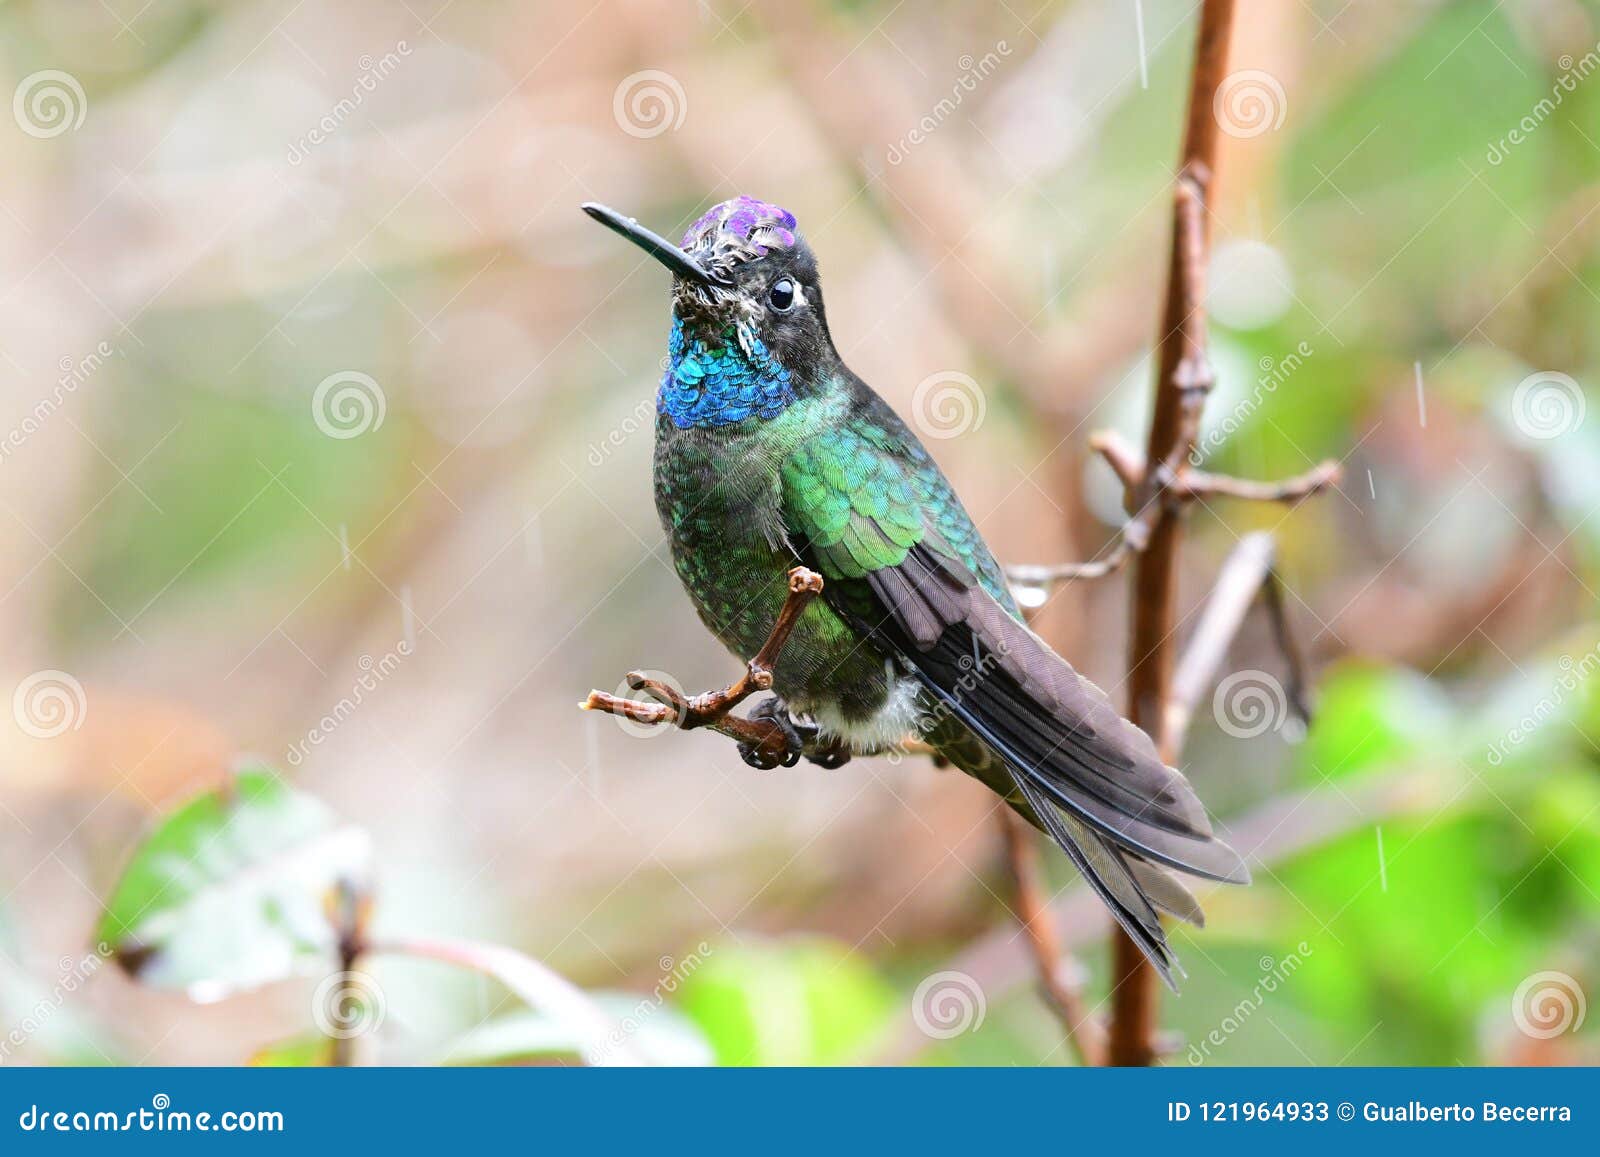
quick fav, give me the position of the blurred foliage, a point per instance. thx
(791, 1002)
(188, 541)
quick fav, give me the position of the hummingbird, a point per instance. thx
(769, 454)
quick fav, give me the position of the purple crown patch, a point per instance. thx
(740, 230)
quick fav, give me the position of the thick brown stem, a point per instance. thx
(1181, 380)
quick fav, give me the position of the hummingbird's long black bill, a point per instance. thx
(654, 244)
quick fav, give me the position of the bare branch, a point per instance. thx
(1197, 483)
(713, 709)
(1056, 980)
(1124, 459)
(1238, 583)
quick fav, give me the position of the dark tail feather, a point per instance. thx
(1105, 870)
(997, 712)
(1050, 725)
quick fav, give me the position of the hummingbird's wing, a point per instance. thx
(869, 509)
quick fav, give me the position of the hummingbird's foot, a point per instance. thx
(775, 712)
(830, 753)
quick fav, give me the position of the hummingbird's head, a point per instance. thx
(743, 270)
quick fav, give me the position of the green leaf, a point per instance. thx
(528, 1037)
(789, 1002)
(232, 890)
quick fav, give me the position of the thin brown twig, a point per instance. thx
(1181, 487)
(713, 709)
(1199, 484)
(1033, 912)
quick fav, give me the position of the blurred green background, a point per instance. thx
(315, 378)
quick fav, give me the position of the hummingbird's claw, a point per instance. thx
(836, 754)
(795, 736)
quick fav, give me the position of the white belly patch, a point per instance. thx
(893, 723)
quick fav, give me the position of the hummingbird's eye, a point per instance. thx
(781, 295)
